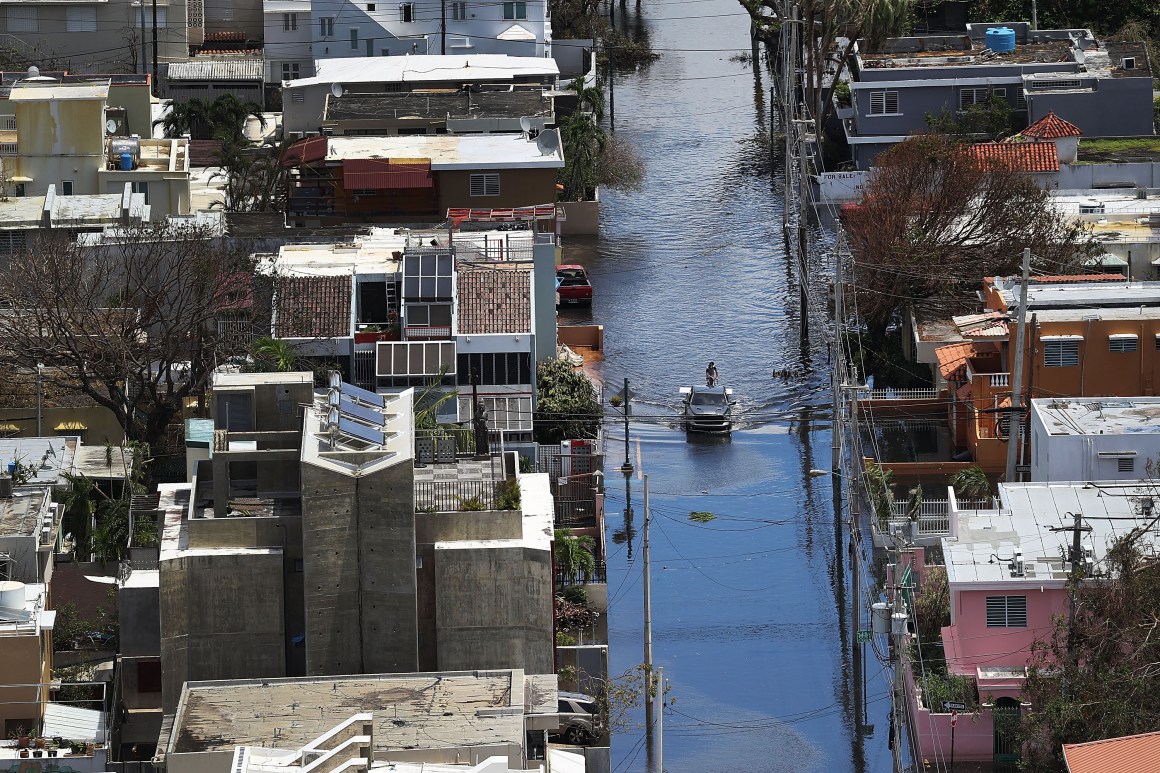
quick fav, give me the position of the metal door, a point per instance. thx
(1006, 716)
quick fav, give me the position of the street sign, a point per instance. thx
(954, 719)
(863, 636)
(954, 706)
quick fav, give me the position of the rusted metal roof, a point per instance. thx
(1051, 127)
(494, 300)
(1137, 753)
(1019, 156)
(313, 307)
(952, 360)
(305, 150)
(384, 174)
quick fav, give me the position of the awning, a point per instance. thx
(383, 174)
(1107, 259)
(9, 428)
(70, 426)
(20, 179)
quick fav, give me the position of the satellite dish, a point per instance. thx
(336, 90)
(525, 124)
(110, 126)
(1080, 56)
(548, 142)
(33, 71)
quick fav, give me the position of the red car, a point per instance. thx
(572, 285)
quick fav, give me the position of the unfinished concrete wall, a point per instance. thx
(139, 615)
(360, 589)
(493, 608)
(222, 618)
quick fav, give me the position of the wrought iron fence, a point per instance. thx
(599, 573)
(444, 496)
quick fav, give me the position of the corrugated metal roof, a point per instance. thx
(217, 70)
(383, 174)
(73, 723)
(1137, 753)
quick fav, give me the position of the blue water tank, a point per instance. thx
(126, 162)
(1001, 39)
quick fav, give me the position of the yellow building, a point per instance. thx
(61, 138)
(26, 668)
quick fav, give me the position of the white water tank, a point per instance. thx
(12, 594)
(880, 617)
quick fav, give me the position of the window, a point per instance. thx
(999, 92)
(407, 12)
(484, 185)
(883, 102)
(429, 315)
(82, 18)
(510, 413)
(370, 46)
(1126, 464)
(371, 7)
(1020, 98)
(1128, 63)
(289, 22)
(393, 88)
(414, 358)
(1122, 343)
(12, 242)
(149, 676)
(501, 368)
(1061, 353)
(66, 187)
(459, 11)
(1006, 611)
(23, 18)
(515, 10)
(428, 276)
(142, 187)
(291, 71)
(968, 97)
(162, 21)
(354, 37)
(326, 26)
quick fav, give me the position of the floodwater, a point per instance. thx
(750, 609)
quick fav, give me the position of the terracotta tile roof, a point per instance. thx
(220, 37)
(963, 393)
(1020, 156)
(494, 300)
(1051, 127)
(952, 360)
(313, 307)
(1137, 753)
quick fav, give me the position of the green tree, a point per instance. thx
(566, 404)
(255, 177)
(971, 483)
(573, 554)
(992, 119)
(275, 355)
(592, 157)
(1097, 679)
(222, 119)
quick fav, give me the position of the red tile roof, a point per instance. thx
(1137, 753)
(1020, 156)
(952, 360)
(1051, 127)
(219, 37)
(494, 300)
(313, 307)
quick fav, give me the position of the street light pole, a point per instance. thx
(39, 401)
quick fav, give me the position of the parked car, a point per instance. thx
(579, 719)
(572, 285)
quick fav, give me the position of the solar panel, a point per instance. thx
(361, 431)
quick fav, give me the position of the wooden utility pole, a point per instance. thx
(443, 27)
(648, 653)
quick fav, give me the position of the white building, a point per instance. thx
(304, 100)
(343, 28)
(1082, 439)
(287, 49)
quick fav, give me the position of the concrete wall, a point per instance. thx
(1119, 107)
(582, 218)
(288, 46)
(1139, 174)
(168, 193)
(102, 424)
(243, 16)
(21, 665)
(494, 608)
(517, 188)
(1077, 457)
(970, 643)
(544, 301)
(139, 614)
(359, 545)
(222, 619)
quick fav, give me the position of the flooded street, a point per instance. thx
(751, 609)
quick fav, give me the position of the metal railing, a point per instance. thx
(427, 333)
(449, 496)
(599, 573)
(934, 515)
(898, 394)
(8, 148)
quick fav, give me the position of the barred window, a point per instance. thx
(1122, 343)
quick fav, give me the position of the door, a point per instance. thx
(1006, 715)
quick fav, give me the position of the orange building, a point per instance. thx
(1083, 339)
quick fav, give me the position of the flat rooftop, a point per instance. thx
(55, 91)
(50, 457)
(90, 210)
(987, 539)
(1096, 296)
(437, 104)
(427, 69)
(411, 711)
(1099, 416)
(451, 151)
(957, 51)
(20, 515)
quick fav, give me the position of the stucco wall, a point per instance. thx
(975, 645)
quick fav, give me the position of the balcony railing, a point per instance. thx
(449, 496)
(8, 149)
(427, 333)
(1000, 379)
(898, 394)
(933, 518)
(598, 574)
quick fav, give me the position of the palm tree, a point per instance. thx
(589, 98)
(273, 355)
(584, 140)
(573, 556)
(223, 119)
(971, 483)
(190, 117)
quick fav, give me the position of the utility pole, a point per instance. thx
(1075, 556)
(443, 27)
(627, 469)
(897, 633)
(144, 46)
(648, 654)
(155, 86)
(1024, 451)
(660, 712)
(1015, 421)
(39, 401)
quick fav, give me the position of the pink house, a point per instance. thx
(1007, 572)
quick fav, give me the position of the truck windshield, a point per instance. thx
(708, 398)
